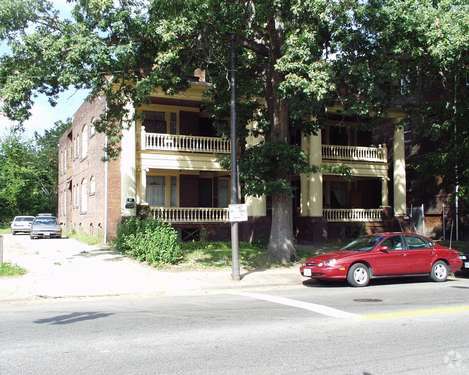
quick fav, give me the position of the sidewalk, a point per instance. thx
(67, 268)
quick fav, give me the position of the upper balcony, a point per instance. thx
(185, 143)
(355, 153)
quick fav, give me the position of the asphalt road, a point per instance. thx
(392, 327)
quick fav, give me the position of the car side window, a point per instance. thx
(394, 243)
(415, 243)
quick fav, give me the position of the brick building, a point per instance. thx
(169, 165)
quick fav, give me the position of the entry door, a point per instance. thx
(395, 261)
(205, 192)
(155, 194)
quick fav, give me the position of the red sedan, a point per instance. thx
(384, 255)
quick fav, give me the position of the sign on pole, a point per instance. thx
(238, 212)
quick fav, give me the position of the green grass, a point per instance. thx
(85, 238)
(4, 229)
(7, 269)
(217, 255)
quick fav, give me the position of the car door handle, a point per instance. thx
(404, 255)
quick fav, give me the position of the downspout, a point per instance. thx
(106, 166)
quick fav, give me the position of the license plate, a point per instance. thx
(307, 272)
(466, 264)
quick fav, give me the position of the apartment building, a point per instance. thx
(169, 166)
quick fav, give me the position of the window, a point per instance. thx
(92, 128)
(76, 150)
(84, 141)
(155, 194)
(414, 243)
(84, 197)
(394, 243)
(173, 123)
(154, 122)
(174, 191)
(92, 186)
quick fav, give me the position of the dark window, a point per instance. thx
(394, 243)
(415, 243)
(154, 122)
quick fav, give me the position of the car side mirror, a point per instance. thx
(383, 249)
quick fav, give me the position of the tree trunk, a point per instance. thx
(281, 246)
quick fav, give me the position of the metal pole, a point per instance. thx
(106, 198)
(443, 222)
(235, 274)
(456, 208)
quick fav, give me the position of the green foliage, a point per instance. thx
(28, 173)
(85, 238)
(8, 269)
(148, 241)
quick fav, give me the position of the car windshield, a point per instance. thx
(45, 221)
(363, 243)
(24, 218)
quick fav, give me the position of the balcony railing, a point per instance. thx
(186, 143)
(355, 153)
(353, 214)
(187, 215)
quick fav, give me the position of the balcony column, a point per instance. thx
(143, 186)
(304, 186)
(384, 192)
(128, 158)
(257, 206)
(399, 171)
(315, 179)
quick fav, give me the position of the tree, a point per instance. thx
(289, 68)
(28, 173)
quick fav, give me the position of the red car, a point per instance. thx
(383, 255)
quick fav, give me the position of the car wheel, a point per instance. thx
(32, 237)
(439, 272)
(358, 275)
(13, 233)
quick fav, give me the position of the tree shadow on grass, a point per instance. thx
(72, 318)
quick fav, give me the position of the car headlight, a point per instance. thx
(330, 263)
(463, 257)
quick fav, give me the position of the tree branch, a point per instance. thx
(256, 47)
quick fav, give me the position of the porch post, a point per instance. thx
(384, 192)
(315, 180)
(399, 171)
(304, 188)
(143, 185)
(128, 163)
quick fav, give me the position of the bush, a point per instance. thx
(149, 241)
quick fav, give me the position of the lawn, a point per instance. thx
(85, 238)
(217, 255)
(7, 269)
(4, 229)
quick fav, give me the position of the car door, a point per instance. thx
(420, 254)
(394, 260)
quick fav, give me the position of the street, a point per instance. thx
(398, 326)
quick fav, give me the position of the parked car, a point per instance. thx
(21, 224)
(45, 227)
(465, 260)
(384, 255)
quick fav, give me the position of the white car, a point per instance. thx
(22, 224)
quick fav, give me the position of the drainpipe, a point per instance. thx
(106, 166)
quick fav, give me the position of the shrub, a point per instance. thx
(149, 241)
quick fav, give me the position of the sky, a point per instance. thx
(43, 115)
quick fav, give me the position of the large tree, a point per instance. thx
(294, 58)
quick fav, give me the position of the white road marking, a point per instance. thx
(319, 309)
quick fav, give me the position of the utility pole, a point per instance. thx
(235, 274)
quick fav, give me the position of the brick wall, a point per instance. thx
(82, 169)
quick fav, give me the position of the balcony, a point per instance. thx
(184, 143)
(355, 153)
(347, 215)
(190, 215)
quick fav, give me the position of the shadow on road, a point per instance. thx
(374, 282)
(72, 318)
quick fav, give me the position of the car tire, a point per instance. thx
(358, 275)
(440, 271)
(32, 237)
(13, 233)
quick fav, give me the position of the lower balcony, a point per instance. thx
(190, 215)
(347, 215)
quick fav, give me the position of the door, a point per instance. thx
(205, 192)
(392, 262)
(420, 254)
(155, 194)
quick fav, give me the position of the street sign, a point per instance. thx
(238, 212)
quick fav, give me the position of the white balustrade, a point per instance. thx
(188, 143)
(358, 153)
(183, 215)
(352, 214)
